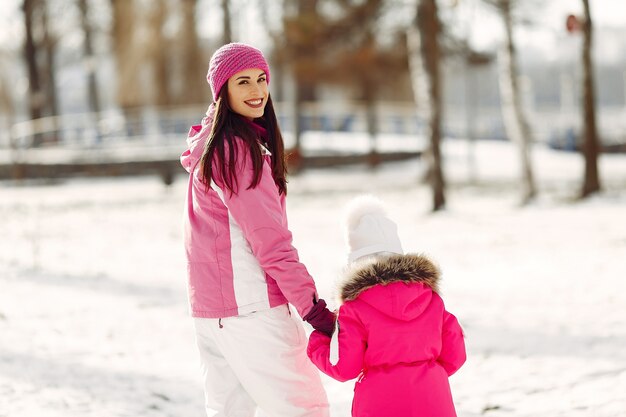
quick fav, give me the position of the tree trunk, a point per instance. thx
(194, 65)
(372, 124)
(425, 57)
(128, 58)
(160, 54)
(515, 122)
(295, 156)
(89, 58)
(591, 182)
(471, 106)
(49, 44)
(366, 79)
(227, 36)
(35, 95)
(304, 89)
(6, 100)
(7, 109)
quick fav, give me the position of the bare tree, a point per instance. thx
(6, 101)
(35, 93)
(591, 183)
(88, 56)
(366, 79)
(39, 56)
(351, 56)
(127, 57)
(7, 106)
(362, 61)
(193, 63)
(297, 45)
(425, 59)
(227, 35)
(369, 68)
(515, 121)
(49, 43)
(159, 53)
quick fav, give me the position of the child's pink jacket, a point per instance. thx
(395, 334)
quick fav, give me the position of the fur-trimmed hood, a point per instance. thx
(400, 301)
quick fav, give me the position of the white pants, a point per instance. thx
(258, 359)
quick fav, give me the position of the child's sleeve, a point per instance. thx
(452, 355)
(347, 362)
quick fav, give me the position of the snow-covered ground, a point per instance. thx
(93, 313)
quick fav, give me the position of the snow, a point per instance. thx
(93, 309)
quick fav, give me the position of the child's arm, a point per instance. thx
(452, 354)
(352, 342)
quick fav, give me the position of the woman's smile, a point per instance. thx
(255, 103)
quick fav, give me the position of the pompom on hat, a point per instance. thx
(231, 59)
(369, 230)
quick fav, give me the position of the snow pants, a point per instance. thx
(258, 360)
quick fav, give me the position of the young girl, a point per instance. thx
(242, 267)
(393, 330)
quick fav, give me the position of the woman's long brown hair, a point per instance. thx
(226, 126)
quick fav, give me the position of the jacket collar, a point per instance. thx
(365, 274)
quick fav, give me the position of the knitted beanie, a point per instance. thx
(231, 59)
(369, 230)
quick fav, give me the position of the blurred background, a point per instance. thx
(495, 131)
(87, 75)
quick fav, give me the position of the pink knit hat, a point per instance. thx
(229, 60)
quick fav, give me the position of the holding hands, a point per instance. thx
(321, 318)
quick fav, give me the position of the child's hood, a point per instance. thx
(369, 281)
(197, 137)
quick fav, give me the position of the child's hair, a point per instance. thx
(226, 126)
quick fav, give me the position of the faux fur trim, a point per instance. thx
(396, 268)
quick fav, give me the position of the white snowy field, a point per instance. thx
(93, 310)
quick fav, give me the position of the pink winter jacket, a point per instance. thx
(395, 334)
(240, 257)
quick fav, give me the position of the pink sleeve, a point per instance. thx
(259, 214)
(452, 355)
(352, 340)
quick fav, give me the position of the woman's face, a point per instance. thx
(247, 93)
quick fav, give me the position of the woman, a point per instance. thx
(242, 268)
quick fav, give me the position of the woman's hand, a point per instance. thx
(321, 318)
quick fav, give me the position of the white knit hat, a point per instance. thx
(369, 230)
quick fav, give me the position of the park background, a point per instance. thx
(501, 157)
